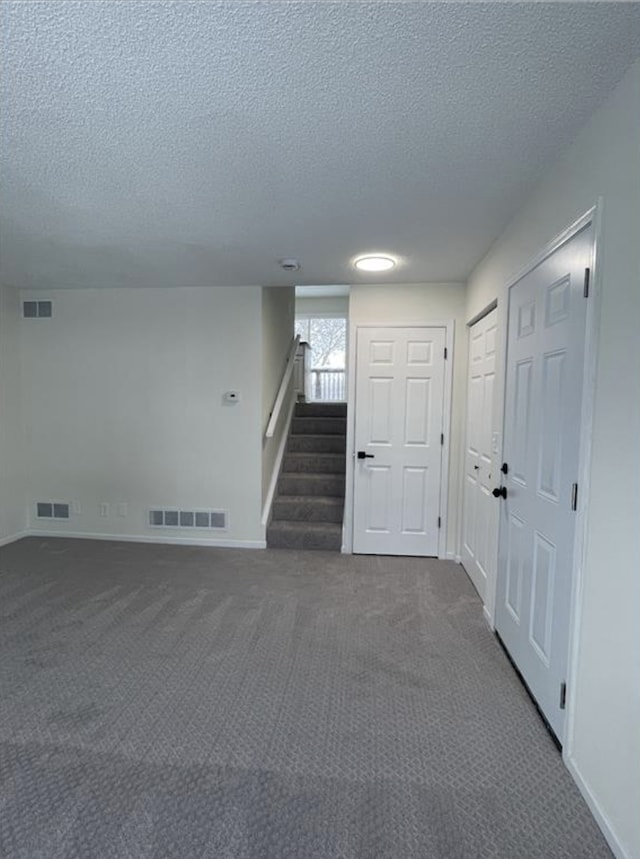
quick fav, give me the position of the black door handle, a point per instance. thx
(500, 492)
(363, 455)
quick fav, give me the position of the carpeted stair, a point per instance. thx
(307, 511)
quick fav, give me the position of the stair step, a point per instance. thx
(315, 463)
(305, 535)
(308, 508)
(292, 483)
(325, 410)
(319, 425)
(326, 443)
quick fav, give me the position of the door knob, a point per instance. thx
(363, 455)
(500, 492)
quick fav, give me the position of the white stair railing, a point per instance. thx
(302, 372)
(284, 387)
(327, 383)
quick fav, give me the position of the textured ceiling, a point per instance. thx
(195, 143)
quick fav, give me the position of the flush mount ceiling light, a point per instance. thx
(375, 263)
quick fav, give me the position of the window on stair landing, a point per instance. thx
(327, 339)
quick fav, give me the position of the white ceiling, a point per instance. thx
(196, 143)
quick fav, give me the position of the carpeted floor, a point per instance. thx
(185, 702)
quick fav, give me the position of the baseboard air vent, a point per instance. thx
(177, 518)
(37, 309)
(52, 510)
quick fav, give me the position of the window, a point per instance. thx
(327, 338)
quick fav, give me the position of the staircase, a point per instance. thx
(307, 511)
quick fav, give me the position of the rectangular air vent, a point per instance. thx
(218, 519)
(37, 309)
(176, 518)
(44, 510)
(52, 510)
(171, 518)
(202, 520)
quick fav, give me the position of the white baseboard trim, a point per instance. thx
(273, 483)
(488, 618)
(4, 541)
(619, 850)
(451, 556)
(215, 542)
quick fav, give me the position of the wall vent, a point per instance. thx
(175, 517)
(52, 510)
(37, 309)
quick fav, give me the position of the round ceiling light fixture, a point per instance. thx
(375, 263)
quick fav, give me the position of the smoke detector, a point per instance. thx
(290, 264)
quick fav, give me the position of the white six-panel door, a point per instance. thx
(480, 521)
(398, 427)
(544, 370)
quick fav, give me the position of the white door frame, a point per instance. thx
(594, 217)
(449, 326)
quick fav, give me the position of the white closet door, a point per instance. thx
(480, 520)
(398, 438)
(544, 371)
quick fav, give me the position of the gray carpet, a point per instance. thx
(185, 702)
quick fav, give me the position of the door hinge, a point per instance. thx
(439, 522)
(574, 496)
(563, 695)
(587, 279)
(445, 353)
(441, 438)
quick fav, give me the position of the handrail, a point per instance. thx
(282, 390)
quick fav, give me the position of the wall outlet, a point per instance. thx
(123, 508)
(104, 509)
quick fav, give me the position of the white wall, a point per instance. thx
(122, 395)
(420, 304)
(330, 305)
(12, 502)
(278, 304)
(604, 749)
